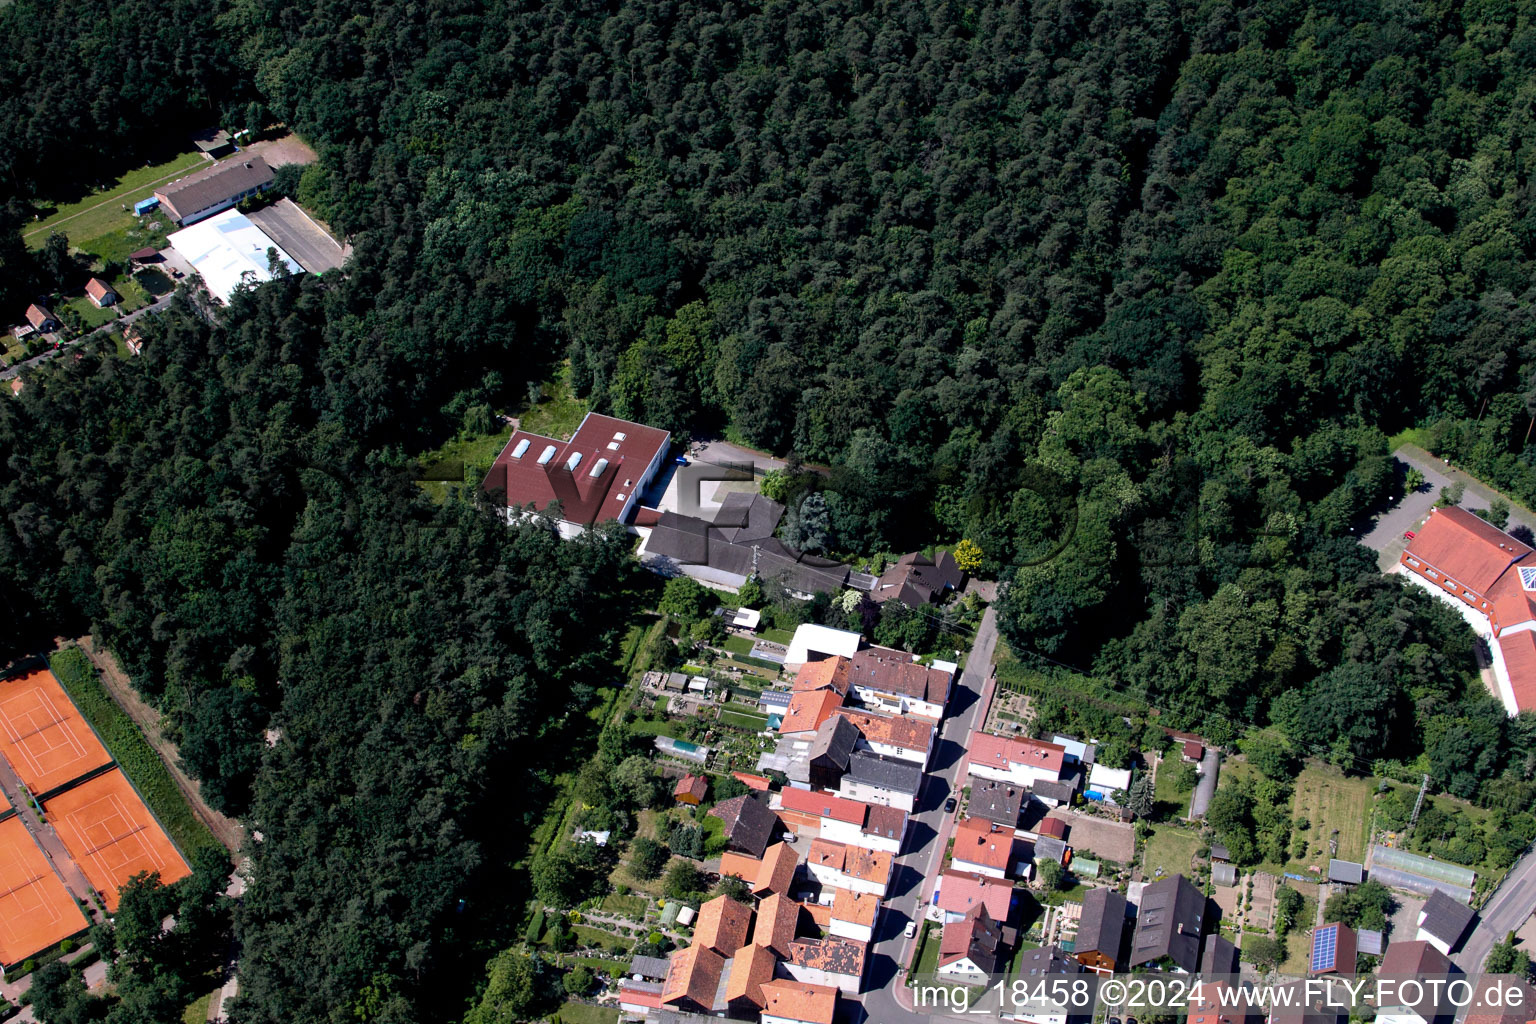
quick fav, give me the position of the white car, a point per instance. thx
(910, 930)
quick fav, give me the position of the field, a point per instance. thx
(1330, 800)
(100, 215)
(462, 460)
(132, 752)
(1169, 848)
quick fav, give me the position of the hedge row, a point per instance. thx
(132, 752)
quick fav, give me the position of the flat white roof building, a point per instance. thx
(810, 639)
(227, 251)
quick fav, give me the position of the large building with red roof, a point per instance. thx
(1023, 762)
(595, 477)
(1493, 574)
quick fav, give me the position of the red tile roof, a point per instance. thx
(776, 919)
(1512, 603)
(1193, 749)
(833, 954)
(37, 316)
(855, 907)
(1053, 827)
(905, 731)
(979, 841)
(824, 805)
(693, 974)
(959, 891)
(98, 289)
(1002, 752)
(1469, 550)
(808, 709)
(888, 671)
(632, 994)
(777, 870)
(740, 865)
(827, 674)
(750, 970)
(695, 786)
(853, 861)
(1519, 651)
(798, 1000)
(617, 451)
(722, 925)
(757, 782)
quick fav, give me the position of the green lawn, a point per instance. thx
(927, 961)
(737, 645)
(756, 670)
(101, 213)
(558, 412)
(197, 1013)
(741, 721)
(89, 313)
(597, 937)
(1170, 848)
(1172, 799)
(464, 460)
(629, 906)
(779, 636)
(586, 1013)
(1330, 800)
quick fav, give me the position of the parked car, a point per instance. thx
(949, 805)
(910, 930)
(1409, 535)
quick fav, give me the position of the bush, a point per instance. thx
(535, 927)
(683, 881)
(579, 980)
(647, 858)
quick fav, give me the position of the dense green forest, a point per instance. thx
(1130, 293)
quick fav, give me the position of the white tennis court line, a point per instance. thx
(42, 701)
(119, 841)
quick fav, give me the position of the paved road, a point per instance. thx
(885, 979)
(1385, 537)
(1206, 787)
(1506, 910)
(158, 306)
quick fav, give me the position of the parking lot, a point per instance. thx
(299, 236)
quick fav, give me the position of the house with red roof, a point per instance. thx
(983, 848)
(1022, 762)
(852, 822)
(1473, 562)
(961, 892)
(594, 477)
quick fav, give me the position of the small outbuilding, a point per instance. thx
(100, 293)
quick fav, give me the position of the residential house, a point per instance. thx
(823, 760)
(693, 979)
(1044, 1004)
(1299, 1003)
(857, 868)
(776, 872)
(595, 477)
(917, 580)
(854, 914)
(1418, 1004)
(1101, 931)
(828, 816)
(972, 946)
(826, 674)
(1333, 950)
(808, 709)
(691, 790)
(1219, 1003)
(735, 545)
(777, 918)
(723, 925)
(1501, 999)
(133, 339)
(1493, 574)
(1000, 802)
(1023, 762)
(1443, 922)
(881, 780)
(794, 1002)
(831, 961)
(903, 737)
(1169, 924)
(1193, 751)
(983, 847)
(206, 192)
(100, 293)
(960, 892)
(749, 824)
(1059, 792)
(1104, 782)
(892, 681)
(41, 319)
(750, 969)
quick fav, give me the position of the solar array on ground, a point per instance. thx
(42, 736)
(1325, 948)
(36, 911)
(111, 834)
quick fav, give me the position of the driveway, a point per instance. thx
(1206, 787)
(1385, 536)
(887, 998)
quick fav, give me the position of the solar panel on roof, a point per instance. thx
(1325, 948)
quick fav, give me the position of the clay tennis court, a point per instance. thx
(36, 910)
(111, 835)
(42, 736)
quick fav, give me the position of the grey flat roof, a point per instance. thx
(885, 772)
